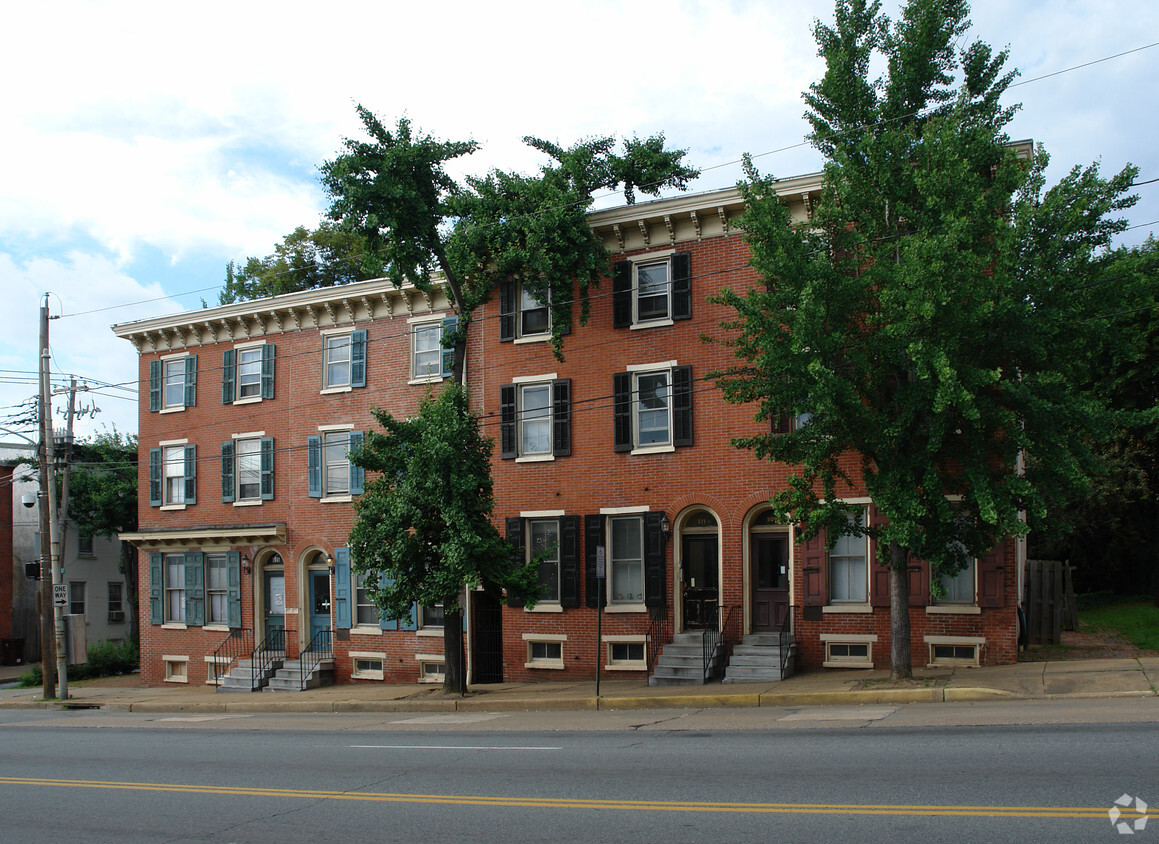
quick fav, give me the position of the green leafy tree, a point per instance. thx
(424, 533)
(304, 260)
(102, 500)
(931, 326)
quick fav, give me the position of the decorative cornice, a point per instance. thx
(231, 535)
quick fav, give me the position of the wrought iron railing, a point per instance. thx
(272, 649)
(321, 647)
(786, 641)
(659, 635)
(239, 643)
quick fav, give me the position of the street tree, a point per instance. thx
(929, 331)
(424, 535)
(103, 500)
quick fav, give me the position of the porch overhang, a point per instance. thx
(229, 536)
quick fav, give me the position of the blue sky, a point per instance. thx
(146, 145)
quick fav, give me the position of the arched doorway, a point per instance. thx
(318, 598)
(273, 583)
(768, 572)
(700, 571)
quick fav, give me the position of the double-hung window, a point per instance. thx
(959, 588)
(626, 574)
(247, 469)
(365, 610)
(175, 588)
(331, 473)
(652, 408)
(116, 603)
(76, 597)
(343, 360)
(247, 373)
(543, 536)
(650, 290)
(432, 353)
(553, 538)
(173, 383)
(848, 564)
(173, 475)
(522, 314)
(216, 589)
(633, 542)
(535, 418)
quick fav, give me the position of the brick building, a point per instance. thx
(623, 446)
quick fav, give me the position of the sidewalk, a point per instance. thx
(1086, 678)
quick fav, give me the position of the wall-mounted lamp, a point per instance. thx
(246, 565)
(665, 525)
(330, 562)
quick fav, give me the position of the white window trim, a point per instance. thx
(849, 639)
(534, 379)
(637, 369)
(414, 323)
(425, 659)
(371, 674)
(624, 511)
(167, 443)
(255, 344)
(334, 332)
(332, 499)
(540, 337)
(550, 664)
(541, 514)
(611, 665)
(953, 609)
(865, 606)
(210, 660)
(853, 608)
(521, 381)
(651, 258)
(977, 642)
(169, 662)
(238, 501)
(176, 408)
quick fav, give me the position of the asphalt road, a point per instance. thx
(855, 773)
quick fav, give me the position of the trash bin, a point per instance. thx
(12, 651)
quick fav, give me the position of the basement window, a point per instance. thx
(845, 651)
(954, 650)
(367, 666)
(176, 669)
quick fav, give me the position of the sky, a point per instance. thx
(145, 145)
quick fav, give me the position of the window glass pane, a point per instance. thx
(175, 475)
(76, 598)
(428, 353)
(533, 314)
(249, 469)
(216, 589)
(115, 597)
(536, 419)
(365, 610)
(337, 463)
(627, 576)
(652, 409)
(652, 290)
(960, 587)
(249, 372)
(432, 616)
(847, 565)
(544, 539)
(175, 588)
(175, 383)
(338, 361)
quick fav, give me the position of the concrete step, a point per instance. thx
(752, 674)
(763, 658)
(764, 640)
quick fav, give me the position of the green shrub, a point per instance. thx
(105, 659)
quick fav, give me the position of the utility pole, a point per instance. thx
(66, 459)
(49, 469)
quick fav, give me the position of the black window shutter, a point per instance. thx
(561, 417)
(227, 494)
(228, 370)
(622, 410)
(682, 405)
(593, 539)
(506, 311)
(682, 285)
(654, 563)
(268, 371)
(569, 564)
(154, 385)
(780, 423)
(514, 529)
(622, 294)
(507, 443)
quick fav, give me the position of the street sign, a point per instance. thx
(600, 561)
(60, 594)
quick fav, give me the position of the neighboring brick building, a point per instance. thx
(624, 445)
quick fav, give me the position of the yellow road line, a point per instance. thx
(562, 803)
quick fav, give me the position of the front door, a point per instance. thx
(275, 595)
(699, 573)
(319, 602)
(770, 579)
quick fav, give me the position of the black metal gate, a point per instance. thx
(486, 638)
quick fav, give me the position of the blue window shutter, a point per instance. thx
(156, 588)
(190, 474)
(194, 588)
(228, 375)
(314, 465)
(383, 622)
(233, 594)
(191, 381)
(449, 325)
(227, 483)
(342, 588)
(268, 371)
(267, 468)
(154, 385)
(357, 473)
(155, 477)
(411, 621)
(358, 358)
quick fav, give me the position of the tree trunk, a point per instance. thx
(900, 662)
(454, 664)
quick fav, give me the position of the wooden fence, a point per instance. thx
(1049, 601)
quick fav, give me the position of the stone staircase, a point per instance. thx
(681, 662)
(288, 677)
(757, 659)
(241, 677)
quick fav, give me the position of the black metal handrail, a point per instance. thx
(786, 641)
(237, 644)
(711, 641)
(272, 649)
(659, 635)
(321, 647)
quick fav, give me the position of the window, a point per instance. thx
(173, 475)
(521, 314)
(176, 669)
(367, 666)
(544, 650)
(626, 574)
(431, 617)
(173, 383)
(636, 559)
(247, 469)
(175, 588)
(431, 353)
(331, 474)
(848, 573)
(544, 539)
(954, 650)
(535, 419)
(247, 373)
(959, 588)
(653, 290)
(653, 408)
(626, 653)
(847, 653)
(84, 545)
(76, 597)
(431, 668)
(344, 360)
(116, 605)
(365, 611)
(217, 589)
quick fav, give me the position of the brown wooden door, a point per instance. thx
(770, 581)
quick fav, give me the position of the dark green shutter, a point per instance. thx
(194, 588)
(569, 563)
(228, 375)
(191, 380)
(156, 588)
(682, 286)
(506, 311)
(190, 474)
(622, 294)
(342, 588)
(268, 371)
(154, 385)
(385, 623)
(314, 466)
(233, 593)
(155, 499)
(267, 466)
(448, 358)
(593, 539)
(561, 417)
(227, 471)
(682, 405)
(358, 358)
(622, 410)
(508, 442)
(654, 560)
(357, 473)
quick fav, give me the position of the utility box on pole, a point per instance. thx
(76, 639)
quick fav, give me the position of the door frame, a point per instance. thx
(749, 526)
(682, 526)
(314, 558)
(259, 581)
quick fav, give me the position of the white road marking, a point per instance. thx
(196, 718)
(842, 713)
(444, 747)
(453, 718)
